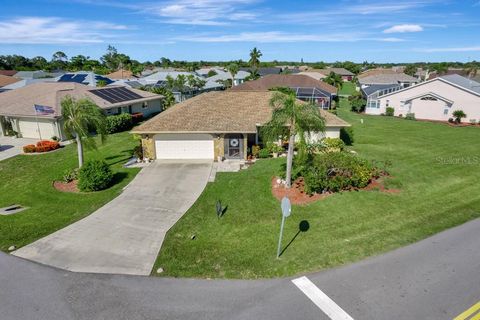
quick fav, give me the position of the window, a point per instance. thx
(445, 111)
(145, 105)
(388, 103)
(428, 98)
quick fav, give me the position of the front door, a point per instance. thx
(234, 146)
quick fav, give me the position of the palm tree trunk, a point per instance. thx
(79, 150)
(291, 143)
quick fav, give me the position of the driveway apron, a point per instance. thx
(125, 235)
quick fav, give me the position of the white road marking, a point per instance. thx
(327, 305)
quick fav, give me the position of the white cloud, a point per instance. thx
(49, 30)
(276, 36)
(402, 28)
(201, 12)
(454, 49)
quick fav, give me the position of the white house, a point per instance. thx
(435, 99)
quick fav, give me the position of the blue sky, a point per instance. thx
(357, 30)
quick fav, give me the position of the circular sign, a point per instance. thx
(234, 142)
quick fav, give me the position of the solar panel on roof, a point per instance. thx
(100, 78)
(66, 78)
(117, 94)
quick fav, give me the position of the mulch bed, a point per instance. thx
(297, 194)
(66, 186)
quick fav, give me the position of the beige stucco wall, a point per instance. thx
(148, 146)
(432, 110)
(153, 106)
(330, 132)
(218, 147)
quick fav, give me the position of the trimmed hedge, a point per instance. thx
(119, 123)
(94, 175)
(41, 146)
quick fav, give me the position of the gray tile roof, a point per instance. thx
(463, 82)
(377, 87)
(387, 78)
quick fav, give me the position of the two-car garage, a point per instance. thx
(184, 146)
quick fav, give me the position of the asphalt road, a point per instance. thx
(437, 278)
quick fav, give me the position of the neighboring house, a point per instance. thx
(25, 82)
(305, 87)
(37, 74)
(313, 74)
(84, 77)
(402, 79)
(7, 80)
(344, 73)
(122, 74)
(9, 73)
(372, 93)
(223, 75)
(435, 99)
(213, 125)
(17, 106)
(375, 72)
(264, 71)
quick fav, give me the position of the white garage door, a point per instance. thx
(184, 146)
(29, 129)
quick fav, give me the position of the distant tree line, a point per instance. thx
(112, 60)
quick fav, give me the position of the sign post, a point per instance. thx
(286, 210)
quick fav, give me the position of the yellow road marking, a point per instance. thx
(470, 311)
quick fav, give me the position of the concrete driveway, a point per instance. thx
(10, 147)
(125, 235)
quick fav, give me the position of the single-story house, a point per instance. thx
(313, 74)
(435, 99)
(17, 110)
(306, 88)
(9, 73)
(84, 77)
(264, 71)
(215, 124)
(37, 74)
(375, 72)
(344, 73)
(223, 75)
(121, 74)
(402, 79)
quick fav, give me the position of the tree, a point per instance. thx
(233, 69)
(292, 118)
(410, 69)
(81, 116)
(334, 80)
(459, 114)
(110, 59)
(168, 97)
(255, 56)
(59, 60)
(39, 63)
(357, 102)
(78, 62)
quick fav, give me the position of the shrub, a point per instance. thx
(263, 153)
(255, 150)
(274, 148)
(459, 114)
(55, 138)
(357, 102)
(94, 175)
(119, 123)
(138, 152)
(410, 116)
(30, 148)
(389, 111)
(337, 171)
(346, 134)
(334, 111)
(70, 175)
(473, 121)
(333, 144)
(450, 120)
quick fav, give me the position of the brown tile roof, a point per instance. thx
(339, 71)
(8, 72)
(284, 80)
(374, 72)
(121, 75)
(6, 80)
(220, 112)
(19, 102)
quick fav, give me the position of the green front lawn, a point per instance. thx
(437, 168)
(27, 180)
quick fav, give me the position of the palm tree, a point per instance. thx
(254, 61)
(334, 80)
(81, 116)
(291, 117)
(233, 69)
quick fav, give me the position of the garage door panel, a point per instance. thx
(29, 129)
(184, 146)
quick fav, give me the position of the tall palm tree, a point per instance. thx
(334, 80)
(292, 118)
(254, 61)
(233, 69)
(81, 116)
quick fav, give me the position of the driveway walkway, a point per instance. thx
(125, 235)
(10, 147)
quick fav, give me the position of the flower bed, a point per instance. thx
(41, 146)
